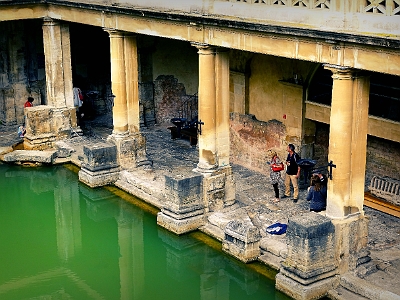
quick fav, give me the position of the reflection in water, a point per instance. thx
(63, 240)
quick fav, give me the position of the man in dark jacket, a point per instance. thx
(292, 173)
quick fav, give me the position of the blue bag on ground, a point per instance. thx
(277, 228)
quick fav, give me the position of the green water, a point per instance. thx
(62, 240)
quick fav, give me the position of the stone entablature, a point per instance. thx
(367, 42)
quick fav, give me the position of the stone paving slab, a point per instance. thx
(30, 156)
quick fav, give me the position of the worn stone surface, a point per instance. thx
(100, 177)
(311, 247)
(242, 240)
(99, 157)
(31, 156)
(63, 149)
(253, 195)
(183, 210)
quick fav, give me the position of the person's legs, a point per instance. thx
(295, 183)
(276, 190)
(287, 185)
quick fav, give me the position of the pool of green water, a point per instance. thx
(62, 240)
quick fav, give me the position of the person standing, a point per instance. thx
(317, 194)
(78, 102)
(275, 174)
(28, 102)
(292, 173)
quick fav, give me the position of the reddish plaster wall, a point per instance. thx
(251, 139)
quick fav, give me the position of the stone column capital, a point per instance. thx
(343, 73)
(204, 49)
(114, 33)
(340, 72)
(47, 21)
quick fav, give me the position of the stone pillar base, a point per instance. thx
(131, 150)
(310, 268)
(183, 210)
(39, 142)
(181, 226)
(99, 178)
(242, 241)
(47, 124)
(99, 165)
(219, 189)
(299, 291)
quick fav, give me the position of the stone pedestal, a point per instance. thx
(131, 150)
(100, 165)
(310, 267)
(47, 124)
(242, 241)
(219, 189)
(183, 210)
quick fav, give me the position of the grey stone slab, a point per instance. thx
(31, 156)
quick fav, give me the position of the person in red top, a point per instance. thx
(28, 103)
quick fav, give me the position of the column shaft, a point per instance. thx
(132, 87)
(57, 50)
(347, 142)
(118, 83)
(222, 107)
(207, 109)
(359, 140)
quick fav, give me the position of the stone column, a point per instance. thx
(118, 83)
(46, 124)
(222, 106)
(131, 145)
(57, 51)
(207, 109)
(347, 142)
(218, 184)
(359, 139)
(132, 85)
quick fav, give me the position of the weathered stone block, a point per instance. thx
(296, 290)
(131, 150)
(311, 248)
(180, 226)
(47, 124)
(63, 149)
(99, 157)
(183, 193)
(183, 210)
(30, 156)
(220, 189)
(100, 177)
(242, 241)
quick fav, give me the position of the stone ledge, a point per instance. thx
(31, 155)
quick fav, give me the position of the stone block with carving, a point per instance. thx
(242, 240)
(220, 189)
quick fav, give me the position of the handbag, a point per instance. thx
(277, 167)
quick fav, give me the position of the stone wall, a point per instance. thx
(251, 139)
(21, 71)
